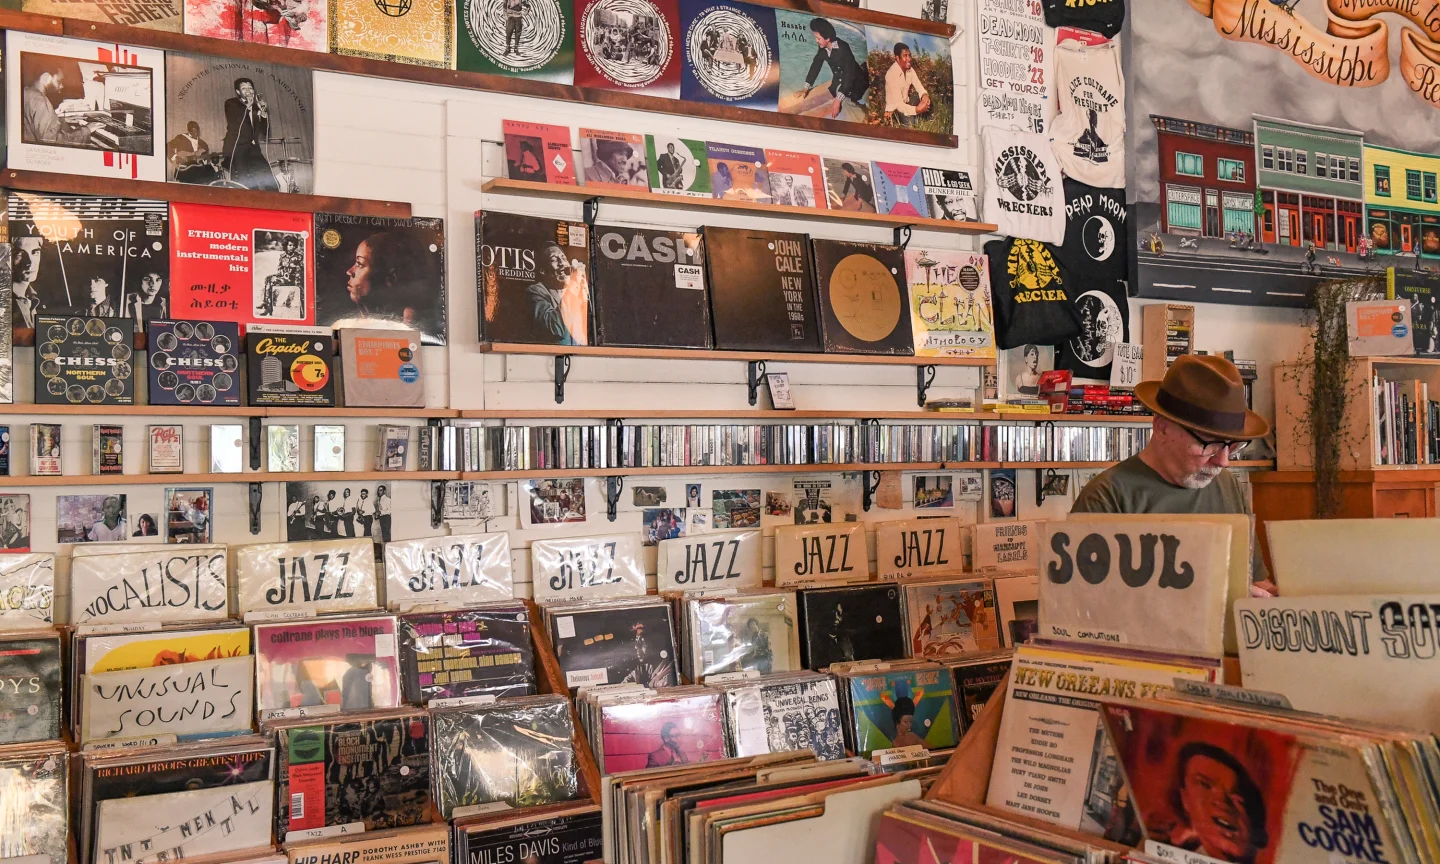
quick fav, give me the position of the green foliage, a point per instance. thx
(938, 76)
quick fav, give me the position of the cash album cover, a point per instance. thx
(730, 53)
(30, 676)
(530, 39)
(381, 272)
(650, 288)
(193, 362)
(520, 752)
(419, 32)
(348, 662)
(902, 709)
(290, 366)
(762, 290)
(471, 652)
(84, 361)
(863, 303)
(534, 279)
(628, 46)
(628, 644)
(842, 625)
(241, 264)
(299, 24)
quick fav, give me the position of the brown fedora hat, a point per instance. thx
(1206, 394)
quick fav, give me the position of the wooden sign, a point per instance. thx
(160, 584)
(586, 568)
(200, 699)
(27, 590)
(706, 562)
(318, 576)
(1324, 556)
(1134, 584)
(458, 570)
(918, 547)
(825, 554)
(1006, 546)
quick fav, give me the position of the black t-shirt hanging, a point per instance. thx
(1029, 286)
(1094, 256)
(1101, 16)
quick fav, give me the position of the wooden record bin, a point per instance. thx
(550, 679)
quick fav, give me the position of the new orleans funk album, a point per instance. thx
(650, 288)
(534, 279)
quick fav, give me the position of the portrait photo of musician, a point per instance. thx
(70, 102)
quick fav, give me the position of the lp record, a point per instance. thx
(863, 304)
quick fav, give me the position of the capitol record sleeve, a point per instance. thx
(338, 771)
(902, 708)
(628, 46)
(457, 569)
(381, 272)
(909, 548)
(951, 314)
(381, 368)
(948, 617)
(27, 590)
(156, 828)
(861, 288)
(533, 275)
(650, 288)
(422, 844)
(319, 575)
(349, 662)
(30, 688)
(785, 714)
(84, 361)
(200, 699)
(662, 731)
(743, 633)
(420, 32)
(570, 838)
(857, 623)
(520, 752)
(467, 652)
(172, 583)
(586, 568)
(618, 644)
(193, 362)
(291, 367)
(242, 264)
(762, 290)
(40, 825)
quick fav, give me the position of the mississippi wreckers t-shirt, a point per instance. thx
(1094, 256)
(1028, 285)
(1022, 185)
(1088, 133)
(1105, 17)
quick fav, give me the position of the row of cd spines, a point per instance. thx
(539, 448)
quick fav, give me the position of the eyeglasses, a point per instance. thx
(1211, 449)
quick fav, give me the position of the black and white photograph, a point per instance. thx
(278, 274)
(325, 510)
(692, 494)
(628, 45)
(90, 519)
(239, 124)
(1021, 367)
(466, 500)
(15, 523)
(187, 515)
(552, 502)
(381, 272)
(794, 190)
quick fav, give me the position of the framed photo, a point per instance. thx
(188, 515)
(1002, 493)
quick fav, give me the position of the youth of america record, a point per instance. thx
(521, 38)
(730, 55)
(628, 45)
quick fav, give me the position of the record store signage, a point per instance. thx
(207, 697)
(710, 562)
(587, 568)
(457, 570)
(1145, 585)
(27, 590)
(321, 576)
(170, 583)
(1006, 546)
(918, 547)
(831, 554)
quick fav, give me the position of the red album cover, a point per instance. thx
(677, 731)
(796, 179)
(628, 45)
(243, 265)
(539, 153)
(284, 23)
(1205, 785)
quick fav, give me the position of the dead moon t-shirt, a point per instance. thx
(1029, 288)
(1105, 17)
(1094, 255)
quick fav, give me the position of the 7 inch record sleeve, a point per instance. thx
(39, 823)
(381, 272)
(617, 645)
(292, 367)
(850, 624)
(650, 288)
(323, 575)
(84, 360)
(194, 362)
(467, 652)
(533, 276)
(348, 662)
(863, 301)
(762, 290)
(382, 369)
(30, 683)
(520, 752)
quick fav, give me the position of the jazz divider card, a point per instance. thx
(521, 38)
(903, 709)
(730, 54)
(899, 189)
(628, 45)
(242, 265)
(538, 153)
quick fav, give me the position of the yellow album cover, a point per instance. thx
(143, 651)
(403, 31)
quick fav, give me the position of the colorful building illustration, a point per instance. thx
(1402, 208)
(1207, 178)
(1309, 184)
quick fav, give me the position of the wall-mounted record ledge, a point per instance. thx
(526, 188)
(770, 415)
(187, 193)
(221, 411)
(703, 354)
(20, 480)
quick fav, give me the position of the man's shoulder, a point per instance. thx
(1102, 493)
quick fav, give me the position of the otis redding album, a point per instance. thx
(533, 275)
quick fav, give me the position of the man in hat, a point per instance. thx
(1201, 423)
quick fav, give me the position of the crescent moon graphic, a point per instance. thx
(1099, 237)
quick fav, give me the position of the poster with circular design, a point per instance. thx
(628, 45)
(84, 361)
(730, 54)
(519, 38)
(863, 306)
(194, 362)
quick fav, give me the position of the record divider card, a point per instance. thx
(551, 680)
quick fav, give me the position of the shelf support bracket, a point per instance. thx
(903, 234)
(924, 379)
(614, 484)
(590, 210)
(867, 488)
(437, 502)
(256, 494)
(754, 377)
(256, 444)
(1039, 487)
(562, 371)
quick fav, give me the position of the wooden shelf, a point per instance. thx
(793, 469)
(500, 186)
(702, 354)
(378, 413)
(21, 480)
(30, 408)
(752, 414)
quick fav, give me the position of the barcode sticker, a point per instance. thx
(297, 805)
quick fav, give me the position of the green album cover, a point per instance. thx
(678, 166)
(902, 709)
(519, 38)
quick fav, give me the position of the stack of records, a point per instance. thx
(30, 687)
(633, 727)
(34, 802)
(517, 751)
(916, 832)
(750, 632)
(422, 844)
(948, 617)
(371, 768)
(484, 650)
(778, 713)
(852, 623)
(349, 663)
(975, 678)
(614, 642)
(910, 703)
(559, 834)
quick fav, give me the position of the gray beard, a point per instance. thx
(1198, 480)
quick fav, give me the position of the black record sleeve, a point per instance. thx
(864, 298)
(448, 655)
(650, 288)
(30, 689)
(616, 646)
(522, 265)
(572, 839)
(848, 624)
(84, 361)
(974, 685)
(762, 290)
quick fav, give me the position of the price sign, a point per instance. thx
(1125, 368)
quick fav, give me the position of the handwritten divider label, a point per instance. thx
(166, 584)
(460, 569)
(831, 554)
(586, 568)
(325, 575)
(148, 829)
(906, 548)
(27, 590)
(705, 562)
(1147, 585)
(206, 697)
(1006, 547)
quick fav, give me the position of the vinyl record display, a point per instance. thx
(863, 298)
(84, 361)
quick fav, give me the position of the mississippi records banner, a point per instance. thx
(706, 562)
(168, 584)
(191, 700)
(832, 554)
(27, 591)
(530, 39)
(458, 571)
(319, 576)
(587, 568)
(731, 54)
(148, 829)
(628, 45)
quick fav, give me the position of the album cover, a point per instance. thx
(282, 450)
(39, 824)
(950, 310)
(742, 633)
(244, 265)
(59, 264)
(738, 173)
(777, 716)
(899, 189)
(829, 80)
(89, 108)
(381, 272)
(27, 581)
(339, 771)
(520, 752)
(951, 195)
(650, 288)
(522, 38)
(291, 366)
(848, 185)
(902, 709)
(239, 123)
(30, 682)
(678, 166)
(862, 298)
(538, 153)
(762, 290)
(381, 369)
(661, 731)
(348, 662)
(622, 644)
(193, 362)
(468, 652)
(299, 24)
(84, 361)
(974, 684)
(614, 160)
(534, 279)
(951, 617)
(860, 622)
(149, 14)
(1421, 288)
(573, 838)
(7, 343)
(912, 80)
(629, 46)
(150, 829)
(730, 54)
(420, 32)
(118, 652)
(796, 179)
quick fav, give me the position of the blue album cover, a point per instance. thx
(194, 362)
(731, 54)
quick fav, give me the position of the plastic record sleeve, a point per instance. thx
(350, 662)
(323, 576)
(750, 633)
(34, 804)
(519, 751)
(587, 568)
(160, 584)
(461, 569)
(27, 590)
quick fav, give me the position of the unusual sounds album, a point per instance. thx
(534, 279)
(381, 272)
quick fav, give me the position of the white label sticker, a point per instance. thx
(742, 675)
(303, 711)
(578, 236)
(691, 277)
(385, 645)
(587, 677)
(106, 629)
(477, 809)
(127, 743)
(278, 615)
(896, 755)
(327, 831)
(483, 699)
(565, 627)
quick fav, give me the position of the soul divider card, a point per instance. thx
(903, 709)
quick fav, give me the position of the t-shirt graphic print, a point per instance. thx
(1022, 185)
(1089, 132)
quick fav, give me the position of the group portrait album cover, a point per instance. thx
(843, 625)
(420, 32)
(730, 54)
(239, 125)
(469, 652)
(194, 362)
(520, 752)
(521, 38)
(335, 510)
(628, 46)
(902, 709)
(82, 361)
(650, 288)
(348, 662)
(534, 279)
(299, 24)
(762, 290)
(789, 713)
(618, 645)
(862, 298)
(381, 272)
(242, 264)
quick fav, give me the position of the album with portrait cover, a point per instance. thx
(852, 623)
(650, 288)
(901, 708)
(762, 290)
(533, 276)
(683, 727)
(630, 46)
(863, 301)
(381, 272)
(242, 264)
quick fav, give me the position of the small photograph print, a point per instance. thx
(1023, 366)
(934, 491)
(794, 190)
(555, 502)
(15, 523)
(735, 508)
(146, 525)
(278, 278)
(663, 523)
(969, 486)
(187, 515)
(777, 504)
(334, 511)
(90, 519)
(647, 496)
(692, 494)
(1002, 493)
(466, 500)
(87, 105)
